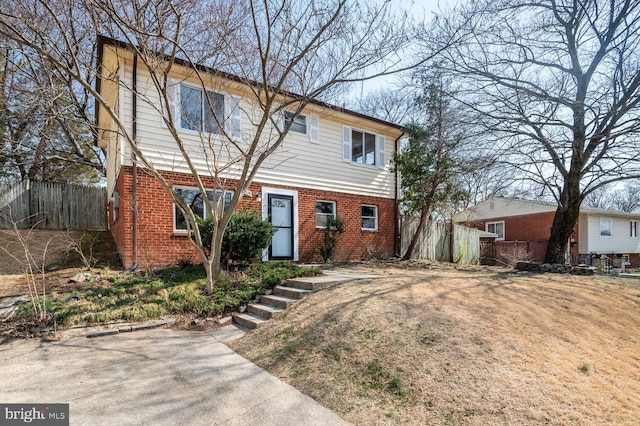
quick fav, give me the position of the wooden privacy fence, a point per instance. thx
(442, 241)
(52, 206)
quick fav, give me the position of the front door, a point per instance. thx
(281, 217)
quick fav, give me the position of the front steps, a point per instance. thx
(283, 296)
(270, 306)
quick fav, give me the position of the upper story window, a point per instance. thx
(633, 228)
(324, 210)
(369, 217)
(362, 147)
(606, 227)
(496, 228)
(201, 111)
(193, 198)
(299, 124)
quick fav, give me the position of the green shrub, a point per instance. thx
(332, 230)
(273, 273)
(244, 238)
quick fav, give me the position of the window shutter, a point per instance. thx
(346, 144)
(381, 157)
(233, 122)
(314, 128)
(173, 95)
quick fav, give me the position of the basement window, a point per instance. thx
(369, 218)
(324, 210)
(193, 198)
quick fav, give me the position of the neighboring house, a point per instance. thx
(333, 162)
(598, 231)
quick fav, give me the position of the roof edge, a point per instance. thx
(104, 40)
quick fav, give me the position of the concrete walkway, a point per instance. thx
(153, 377)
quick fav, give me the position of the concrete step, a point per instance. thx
(292, 292)
(249, 320)
(313, 283)
(280, 302)
(263, 310)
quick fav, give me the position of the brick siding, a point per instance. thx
(535, 227)
(159, 246)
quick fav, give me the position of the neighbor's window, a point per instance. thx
(370, 218)
(299, 124)
(606, 227)
(363, 147)
(633, 229)
(193, 198)
(627, 259)
(199, 113)
(496, 228)
(324, 210)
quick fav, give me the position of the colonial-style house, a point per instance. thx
(333, 162)
(598, 231)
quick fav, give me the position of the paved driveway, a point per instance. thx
(153, 377)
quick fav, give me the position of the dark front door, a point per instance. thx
(281, 217)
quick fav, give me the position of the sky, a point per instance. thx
(417, 9)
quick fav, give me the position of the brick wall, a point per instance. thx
(158, 245)
(533, 227)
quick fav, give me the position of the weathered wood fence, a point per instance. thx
(52, 206)
(442, 241)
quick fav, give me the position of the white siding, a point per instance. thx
(619, 242)
(583, 234)
(299, 162)
(117, 147)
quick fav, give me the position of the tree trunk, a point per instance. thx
(214, 259)
(414, 240)
(208, 267)
(564, 221)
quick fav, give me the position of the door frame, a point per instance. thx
(265, 216)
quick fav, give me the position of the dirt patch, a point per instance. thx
(56, 250)
(434, 345)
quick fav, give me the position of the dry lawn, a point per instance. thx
(438, 345)
(53, 249)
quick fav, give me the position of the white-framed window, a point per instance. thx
(633, 228)
(627, 259)
(199, 112)
(369, 217)
(362, 147)
(324, 210)
(299, 124)
(496, 228)
(606, 227)
(193, 198)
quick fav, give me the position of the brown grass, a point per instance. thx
(453, 346)
(56, 248)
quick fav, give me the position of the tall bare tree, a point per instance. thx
(286, 53)
(625, 199)
(45, 125)
(557, 83)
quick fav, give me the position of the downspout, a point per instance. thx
(396, 211)
(134, 176)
